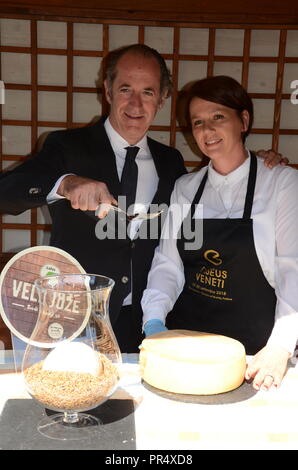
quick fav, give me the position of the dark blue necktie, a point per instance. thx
(129, 176)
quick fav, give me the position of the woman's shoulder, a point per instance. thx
(187, 185)
(279, 171)
(192, 177)
(280, 176)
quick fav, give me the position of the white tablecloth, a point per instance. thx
(262, 420)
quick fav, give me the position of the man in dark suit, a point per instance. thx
(79, 169)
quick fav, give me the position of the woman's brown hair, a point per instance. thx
(226, 91)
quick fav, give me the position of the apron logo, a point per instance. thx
(213, 257)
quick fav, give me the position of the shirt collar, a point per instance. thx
(217, 180)
(119, 144)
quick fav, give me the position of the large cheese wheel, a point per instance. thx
(191, 362)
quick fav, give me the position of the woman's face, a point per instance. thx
(217, 129)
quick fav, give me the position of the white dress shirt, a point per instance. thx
(147, 177)
(275, 228)
(147, 174)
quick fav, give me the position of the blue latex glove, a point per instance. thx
(154, 326)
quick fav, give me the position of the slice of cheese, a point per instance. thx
(191, 362)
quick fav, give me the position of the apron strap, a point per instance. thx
(250, 187)
(199, 193)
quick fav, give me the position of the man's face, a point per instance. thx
(135, 96)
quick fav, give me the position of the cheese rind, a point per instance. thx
(191, 362)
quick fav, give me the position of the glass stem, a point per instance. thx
(70, 417)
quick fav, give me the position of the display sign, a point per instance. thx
(19, 302)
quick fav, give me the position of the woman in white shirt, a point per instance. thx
(227, 262)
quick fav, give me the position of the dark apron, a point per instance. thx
(225, 290)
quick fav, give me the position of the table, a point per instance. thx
(136, 418)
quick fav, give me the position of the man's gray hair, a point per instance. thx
(145, 51)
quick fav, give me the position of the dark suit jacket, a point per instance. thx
(87, 152)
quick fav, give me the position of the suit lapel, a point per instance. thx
(161, 168)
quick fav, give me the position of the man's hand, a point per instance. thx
(86, 194)
(272, 159)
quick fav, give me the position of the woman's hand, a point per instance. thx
(268, 367)
(154, 326)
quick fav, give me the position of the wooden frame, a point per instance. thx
(189, 11)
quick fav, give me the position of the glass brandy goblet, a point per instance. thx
(71, 363)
